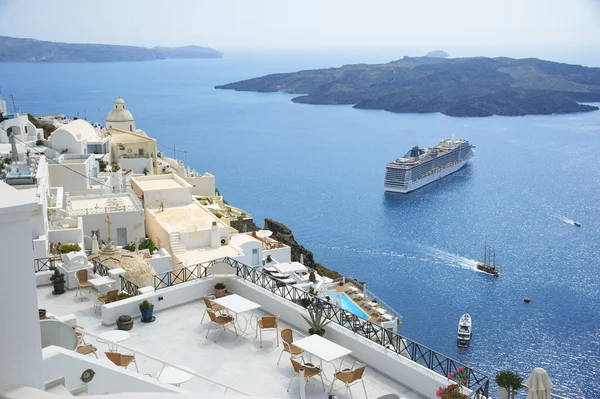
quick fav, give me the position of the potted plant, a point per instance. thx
(220, 289)
(147, 308)
(312, 277)
(316, 322)
(450, 392)
(269, 259)
(509, 381)
(58, 282)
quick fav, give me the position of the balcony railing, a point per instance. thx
(127, 285)
(394, 342)
(103, 209)
(45, 264)
(99, 268)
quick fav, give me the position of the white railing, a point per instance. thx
(163, 362)
(102, 210)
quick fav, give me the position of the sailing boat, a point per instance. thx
(489, 262)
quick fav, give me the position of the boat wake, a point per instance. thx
(449, 259)
(565, 219)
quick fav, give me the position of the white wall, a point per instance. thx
(71, 181)
(20, 340)
(62, 139)
(66, 236)
(161, 261)
(281, 255)
(133, 221)
(59, 362)
(202, 185)
(137, 165)
(175, 196)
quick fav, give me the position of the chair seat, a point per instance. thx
(86, 349)
(85, 284)
(102, 298)
(310, 371)
(217, 308)
(224, 319)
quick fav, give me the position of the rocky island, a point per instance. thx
(30, 50)
(474, 86)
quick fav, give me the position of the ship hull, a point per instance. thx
(414, 185)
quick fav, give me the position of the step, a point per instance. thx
(59, 390)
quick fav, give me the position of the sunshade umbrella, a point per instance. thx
(539, 384)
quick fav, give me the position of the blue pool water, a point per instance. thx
(320, 169)
(345, 302)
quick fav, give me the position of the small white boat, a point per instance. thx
(464, 331)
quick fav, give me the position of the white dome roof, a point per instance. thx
(80, 129)
(119, 101)
(119, 113)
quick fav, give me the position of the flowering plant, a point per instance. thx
(450, 392)
(461, 376)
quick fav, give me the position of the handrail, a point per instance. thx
(43, 264)
(388, 339)
(195, 374)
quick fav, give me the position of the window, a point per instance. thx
(121, 236)
(255, 256)
(131, 128)
(141, 151)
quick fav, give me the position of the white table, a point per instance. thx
(101, 281)
(323, 349)
(238, 305)
(114, 336)
(173, 376)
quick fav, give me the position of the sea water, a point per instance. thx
(320, 169)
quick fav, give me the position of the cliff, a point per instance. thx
(31, 50)
(475, 86)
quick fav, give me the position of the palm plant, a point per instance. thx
(317, 321)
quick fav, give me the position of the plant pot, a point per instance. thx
(58, 289)
(147, 314)
(125, 322)
(315, 331)
(42, 313)
(220, 293)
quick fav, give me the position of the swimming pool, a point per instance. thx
(345, 302)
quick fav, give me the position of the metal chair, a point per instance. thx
(122, 360)
(287, 337)
(102, 299)
(310, 370)
(350, 376)
(79, 335)
(209, 305)
(267, 323)
(87, 350)
(219, 321)
(82, 282)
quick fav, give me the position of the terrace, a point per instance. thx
(395, 364)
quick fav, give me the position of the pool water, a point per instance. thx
(345, 302)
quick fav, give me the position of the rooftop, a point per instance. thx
(179, 336)
(113, 201)
(184, 218)
(160, 182)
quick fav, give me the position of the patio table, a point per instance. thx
(238, 305)
(101, 282)
(323, 349)
(114, 336)
(174, 376)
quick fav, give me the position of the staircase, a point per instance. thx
(177, 245)
(57, 387)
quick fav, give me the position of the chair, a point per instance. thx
(82, 282)
(350, 377)
(219, 321)
(267, 323)
(310, 370)
(86, 350)
(122, 360)
(287, 337)
(210, 305)
(102, 299)
(79, 335)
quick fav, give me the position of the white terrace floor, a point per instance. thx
(177, 336)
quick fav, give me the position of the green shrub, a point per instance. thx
(120, 297)
(66, 248)
(39, 142)
(146, 243)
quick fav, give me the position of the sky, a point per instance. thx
(286, 24)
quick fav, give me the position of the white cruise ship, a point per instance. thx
(421, 166)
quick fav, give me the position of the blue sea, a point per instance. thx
(319, 170)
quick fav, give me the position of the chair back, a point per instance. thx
(207, 302)
(358, 372)
(296, 365)
(114, 357)
(82, 275)
(111, 295)
(287, 335)
(269, 322)
(212, 315)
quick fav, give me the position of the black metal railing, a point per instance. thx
(394, 342)
(480, 391)
(129, 286)
(44, 264)
(99, 268)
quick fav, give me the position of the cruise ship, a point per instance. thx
(421, 166)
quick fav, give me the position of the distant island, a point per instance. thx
(30, 50)
(437, 54)
(474, 86)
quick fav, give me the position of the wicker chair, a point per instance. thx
(267, 323)
(219, 321)
(310, 370)
(87, 350)
(287, 337)
(82, 282)
(210, 305)
(122, 360)
(102, 299)
(350, 377)
(79, 335)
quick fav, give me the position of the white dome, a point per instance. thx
(79, 129)
(119, 113)
(119, 101)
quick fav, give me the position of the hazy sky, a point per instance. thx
(249, 24)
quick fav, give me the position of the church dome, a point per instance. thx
(119, 113)
(137, 269)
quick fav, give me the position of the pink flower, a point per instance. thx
(439, 392)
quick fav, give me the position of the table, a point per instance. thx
(238, 305)
(323, 349)
(101, 281)
(174, 376)
(114, 336)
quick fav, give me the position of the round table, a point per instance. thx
(173, 376)
(114, 336)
